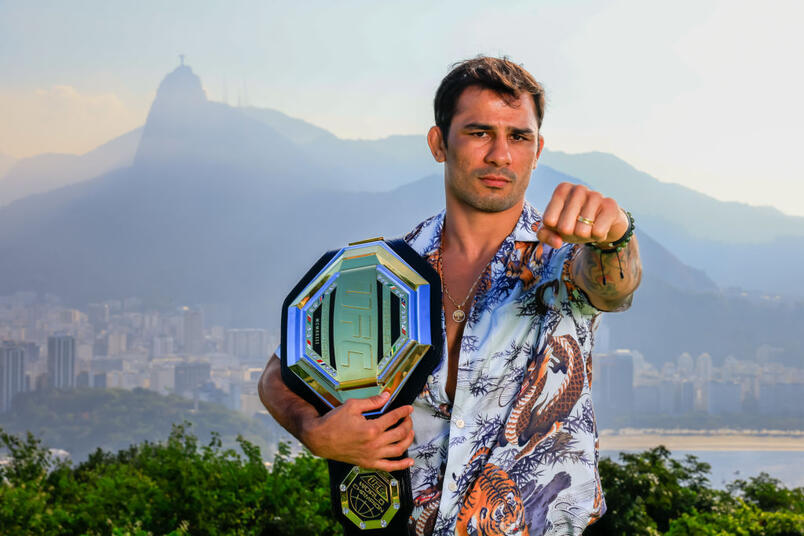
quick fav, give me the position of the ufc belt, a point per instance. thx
(364, 319)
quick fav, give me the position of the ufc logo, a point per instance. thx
(356, 314)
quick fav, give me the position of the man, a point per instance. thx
(502, 439)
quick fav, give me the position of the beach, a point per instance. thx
(702, 440)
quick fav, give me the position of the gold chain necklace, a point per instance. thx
(458, 315)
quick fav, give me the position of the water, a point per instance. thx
(787, 466)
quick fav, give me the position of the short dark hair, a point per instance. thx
(501, 75)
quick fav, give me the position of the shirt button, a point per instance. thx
(453, 486)
(459, 423)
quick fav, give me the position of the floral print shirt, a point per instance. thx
(516, 452)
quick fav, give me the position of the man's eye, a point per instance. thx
(478, 134)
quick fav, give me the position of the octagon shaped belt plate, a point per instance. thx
(360, 325)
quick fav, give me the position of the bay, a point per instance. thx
(787, 466)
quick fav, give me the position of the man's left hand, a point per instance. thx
(578, 215)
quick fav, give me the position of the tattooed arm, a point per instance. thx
(579, 215)
(617, 292)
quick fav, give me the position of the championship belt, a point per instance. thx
(364, 319)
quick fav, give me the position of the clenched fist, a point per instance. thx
(578, 215)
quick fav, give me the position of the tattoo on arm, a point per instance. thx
(616, 294)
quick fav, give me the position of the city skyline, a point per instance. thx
(125, 344)
(681, 92)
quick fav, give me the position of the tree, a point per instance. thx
(768, 494)
(649, 489)
(176, 487)
(743, 520)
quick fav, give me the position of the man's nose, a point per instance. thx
(499, 153)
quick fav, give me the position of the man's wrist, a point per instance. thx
(619, 242)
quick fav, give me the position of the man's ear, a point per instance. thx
(435, 140)
(538, 151)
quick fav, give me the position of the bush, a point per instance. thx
(180, 487)
(176, 487)
(649, 489)
(744, 520)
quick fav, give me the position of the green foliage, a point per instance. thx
(743, 520)
(178, 487)
(651, 493)
(182, 487)
(300, 487)
(649, 489)
(768, 494)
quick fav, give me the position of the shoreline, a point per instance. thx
(714, 440)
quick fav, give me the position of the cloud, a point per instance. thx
(62, 119)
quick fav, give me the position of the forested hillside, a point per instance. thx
(82, 420)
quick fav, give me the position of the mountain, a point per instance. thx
(205, 235)
(671, 208)
(363, 165)
(184, 128)
(48, 171)
(293, 129)
(730, 242)
(736, 244)
(733, 243)
(6, 163)
(220, 207)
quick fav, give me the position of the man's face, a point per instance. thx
(492, 148)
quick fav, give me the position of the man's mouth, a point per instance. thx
(495, 181)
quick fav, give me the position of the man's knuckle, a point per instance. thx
(370, 433)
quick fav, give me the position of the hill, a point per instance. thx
(225, 205)
(6, 163)
(736, 244)
(45, 172)
(80, 421)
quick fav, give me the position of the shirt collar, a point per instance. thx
(426, 237)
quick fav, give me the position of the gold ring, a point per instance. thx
(581, 219)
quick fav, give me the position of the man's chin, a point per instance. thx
(491, 204)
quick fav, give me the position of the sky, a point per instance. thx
(703, 93)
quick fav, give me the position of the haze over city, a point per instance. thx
(699, 93)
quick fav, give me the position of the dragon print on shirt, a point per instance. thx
(533, 416)
(516, 451)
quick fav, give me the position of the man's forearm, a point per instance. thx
(616, 293)
(289, 409)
